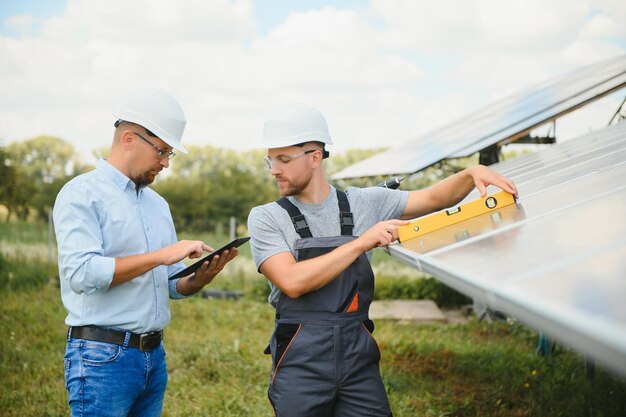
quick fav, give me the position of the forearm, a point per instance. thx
(444, 194)
(298, 278)
(129, 267)
(191, 284)
(452, 190)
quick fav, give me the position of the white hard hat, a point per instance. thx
(295, 124)
(158, 112)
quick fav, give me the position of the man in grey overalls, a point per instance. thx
(313, 245)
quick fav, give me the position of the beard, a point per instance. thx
(294, 187)
(143, 180)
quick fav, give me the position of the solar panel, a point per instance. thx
(557, 260)
(502, 121)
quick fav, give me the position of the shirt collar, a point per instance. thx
(113, 174)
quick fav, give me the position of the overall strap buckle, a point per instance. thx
(297, 218)
(346, 217)
(299, 222)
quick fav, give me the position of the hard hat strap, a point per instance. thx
(325, 153)
(120, 121)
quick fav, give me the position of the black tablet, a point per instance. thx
(192, 268)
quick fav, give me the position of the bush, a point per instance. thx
(404, 288)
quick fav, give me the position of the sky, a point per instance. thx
(381, 71)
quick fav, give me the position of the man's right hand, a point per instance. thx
(381, 234)
(183, 249)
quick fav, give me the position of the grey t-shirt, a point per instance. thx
(272, 231)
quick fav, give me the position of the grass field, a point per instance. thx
(217, 367)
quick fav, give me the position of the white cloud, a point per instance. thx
(497, 47)
(376, 83)
(20, 22)
(603, 26)
(330, 49)
(484, 26)
(66, 81)
(153, 21)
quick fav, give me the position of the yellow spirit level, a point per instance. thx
(464, 230)
(454, 215)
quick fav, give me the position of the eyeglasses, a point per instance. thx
(284, 159)
(160, 152)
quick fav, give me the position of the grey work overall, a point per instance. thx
(325, 360)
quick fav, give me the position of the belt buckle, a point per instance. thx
(147, 341)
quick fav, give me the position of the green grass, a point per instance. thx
(217, 367)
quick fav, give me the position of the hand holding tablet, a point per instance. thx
(193, 267)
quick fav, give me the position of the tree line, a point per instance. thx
(204, 188)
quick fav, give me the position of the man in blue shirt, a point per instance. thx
(117, 247)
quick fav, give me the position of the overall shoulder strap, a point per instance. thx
(299, 222)
(345, 215)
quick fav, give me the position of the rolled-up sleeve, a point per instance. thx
(174, 294)
(80, 243)
(172, 270)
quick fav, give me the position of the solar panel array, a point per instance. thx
(556, 260)
(503, 120)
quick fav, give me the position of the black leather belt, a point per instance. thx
(145, 341)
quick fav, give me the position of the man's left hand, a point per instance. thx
(484, 177)
(210, 269)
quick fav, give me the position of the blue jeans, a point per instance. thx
(108, 380)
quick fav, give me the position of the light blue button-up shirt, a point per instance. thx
(98, 216)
